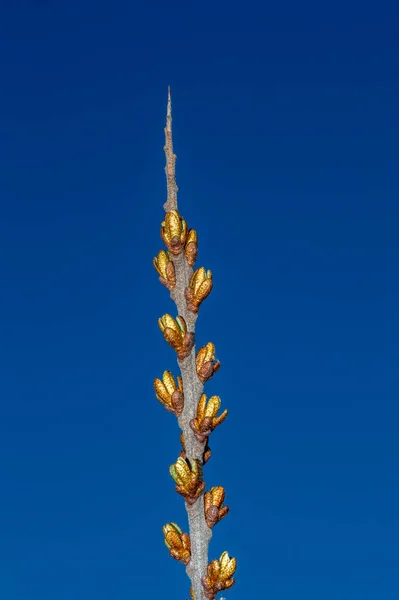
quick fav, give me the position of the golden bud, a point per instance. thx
(219, 575)
(175, 333)
(169, 394)
(174, 232)
(177, 542)
(188, 478)
(191, 248)
(206, 420)
(213, 506)
(165, 269)
(199, 288)
(206, 363)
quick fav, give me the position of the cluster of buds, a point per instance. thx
(174, 232)
(169, 394)
(165, 269)
(199, 288)
(219, 575)
(206, 363)
(188, 478)
(177, 542)
(175, 333)
(206, 420)
(213, 506)
(206, 455)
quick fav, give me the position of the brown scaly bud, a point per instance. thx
(213, 505)
(191, 248)
(188, 478)
(206, 420)
(177, 542)
(174, 232)
(219, 576)
(206, 363)
(206, 455)
(169, 394)
(165, 269)
(183, 445)
(191, 593)
(175, 333)
(199, 288)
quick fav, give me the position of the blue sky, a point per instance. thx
(286, 129)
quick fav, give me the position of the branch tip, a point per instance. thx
(171, 200)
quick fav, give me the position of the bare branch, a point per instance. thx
(200, 533)
(171, 201)
(175, 268)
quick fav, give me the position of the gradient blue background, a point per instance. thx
(286, 130)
